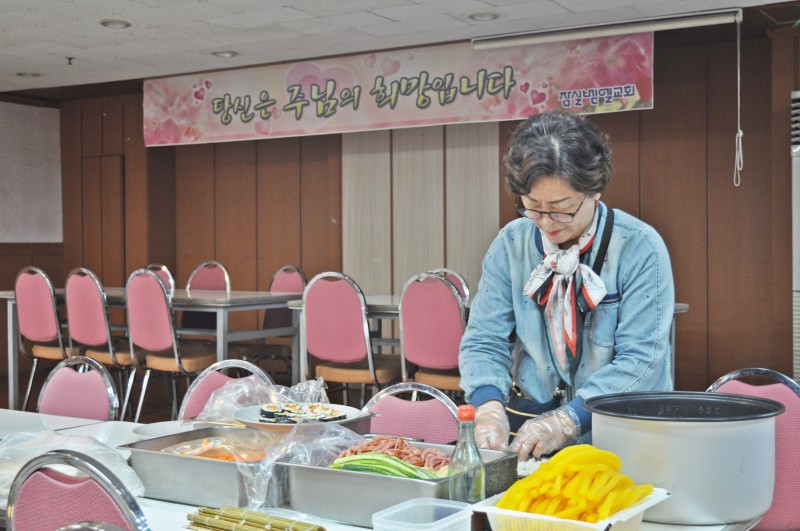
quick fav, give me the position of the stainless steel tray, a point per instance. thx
(353, 497)
(187, 479)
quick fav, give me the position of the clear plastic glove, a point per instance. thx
(491, 426)
(546, 433)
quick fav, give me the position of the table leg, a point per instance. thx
(13, 354)
(295, 378)
(222, 334)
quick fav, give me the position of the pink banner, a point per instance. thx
(401, 88)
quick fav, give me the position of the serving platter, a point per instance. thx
(251, 417)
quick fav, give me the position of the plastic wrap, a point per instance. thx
(17, 449)
(251, 391)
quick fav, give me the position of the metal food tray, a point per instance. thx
(196, 480)
(353, 497)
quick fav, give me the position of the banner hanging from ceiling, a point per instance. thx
(412, 87)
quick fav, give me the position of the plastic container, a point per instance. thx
(625, 520)
(424, 513)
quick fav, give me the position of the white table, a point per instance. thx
(221, 303)
(17, 421)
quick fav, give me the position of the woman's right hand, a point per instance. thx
(491, 426)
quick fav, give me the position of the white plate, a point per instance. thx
(160, 429)
(251, 416)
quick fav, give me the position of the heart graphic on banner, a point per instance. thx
(537, 97)
(524, 87)
(389, 66)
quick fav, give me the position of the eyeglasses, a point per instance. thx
(561, 217)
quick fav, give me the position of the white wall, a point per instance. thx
(30, 174)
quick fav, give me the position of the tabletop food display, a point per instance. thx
(313, 466)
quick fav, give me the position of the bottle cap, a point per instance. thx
(466, 413)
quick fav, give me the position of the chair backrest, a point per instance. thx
(434, 420)
(457, 279)
(89, 395)
(36, 306)
(334, 319)
(211, 379)
(150, 317)
(87, 310)
(784, 514)
(210, 275)
(287, 279)
(164, 274)
(432, 321)
(42, 498)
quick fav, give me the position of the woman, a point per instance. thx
(552, 324)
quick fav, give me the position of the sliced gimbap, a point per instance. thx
(270, 410)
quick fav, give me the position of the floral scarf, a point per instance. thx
(567, 289)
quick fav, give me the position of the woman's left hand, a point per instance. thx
(544, 434)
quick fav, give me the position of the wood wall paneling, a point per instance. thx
(112, 221)
(507, 201)
(71, 185)
(112, 126)
(195, 215)
(92, 234)
(235, 216)
(622, 129)
(161, 206)
(92, 128)
(471, 196)
(367, 210)
(783, 70)
(278, 207)
(321, 203)
(740, 224)
(137, 223)
(674, 197)
(418, 201)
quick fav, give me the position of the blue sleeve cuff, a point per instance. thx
(485, 393)
(584, 415)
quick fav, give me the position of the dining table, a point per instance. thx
(170, 516)
(221, 303)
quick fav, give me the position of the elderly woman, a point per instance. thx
(575, 299)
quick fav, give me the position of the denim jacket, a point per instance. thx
(625, 339)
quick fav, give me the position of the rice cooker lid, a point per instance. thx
(683, 406)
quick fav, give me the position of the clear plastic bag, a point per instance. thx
(16, 449)
(251, 391)
(316, 444)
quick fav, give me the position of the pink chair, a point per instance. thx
(43, 498)
(432, 321)
(211, 379)
(457, 279)
(38, 320)
(90, 329)
(784, 514)
(89, 394)
(151, 329)
(287, 279)
(208, 276)
(164, 274)
(335, 332)
(434, 420)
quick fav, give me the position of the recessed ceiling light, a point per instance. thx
(28, 74)
(225, 54)
(115, 23)
(483, 17)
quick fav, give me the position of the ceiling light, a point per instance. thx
(226, 54)
(483, 17)
(28, 74)
(115, 23)
(708, 18)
